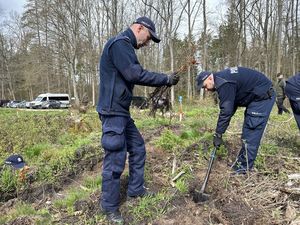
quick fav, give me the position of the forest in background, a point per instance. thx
(54, 45)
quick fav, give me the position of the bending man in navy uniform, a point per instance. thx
(292, 90)
(239, 86)
(120, 70)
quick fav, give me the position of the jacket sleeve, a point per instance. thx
(282, 85)
(226, 94)
(125, 60)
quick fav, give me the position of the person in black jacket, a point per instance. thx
(292, 90)
(120, 70)
(280, 94)
(241, 87)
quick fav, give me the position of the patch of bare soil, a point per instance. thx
(24, 220)
(233, 199)
(149, 134)
(83, 210)
(183, 211)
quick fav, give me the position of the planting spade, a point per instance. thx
(200, 196)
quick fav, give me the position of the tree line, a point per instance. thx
(54, 45)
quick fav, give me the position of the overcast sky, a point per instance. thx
(7, 6)
(17, 5)
(215, 12)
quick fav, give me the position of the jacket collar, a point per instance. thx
(129, 33)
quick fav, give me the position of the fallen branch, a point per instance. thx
(295, 191)
(174, 165)
(281, 156)
(294, 176)
(282, 122)
(176, 178)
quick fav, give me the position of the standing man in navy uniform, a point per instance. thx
(120, 70)
(239, 86)
(292, 90)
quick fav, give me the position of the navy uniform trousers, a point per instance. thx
(280, 105)
(295, 105)
(294, 97)
(119, 136)
(256, 117)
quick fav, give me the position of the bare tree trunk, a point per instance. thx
(94, 89)
(74, 77)
(265, 35)
(2, 88)
(297, 38)
(279, 34)
(172, 69)
(2, 74)
(204, 58)
(240, 46)
(10, 83)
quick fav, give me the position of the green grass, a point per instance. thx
(46, 140)
(182, 186)
(29, 130)
(190, 134)
(72, 196)
(264, 152)
(95, 220)
(9, 179)
(40, 217)
(196, 111)
(147, 208)
(168, 141)
(35, 151)
(93, 183)
(150, 123)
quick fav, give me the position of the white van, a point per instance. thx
(64, 100)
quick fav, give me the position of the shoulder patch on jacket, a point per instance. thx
(234, 70)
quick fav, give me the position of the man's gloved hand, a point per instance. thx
(173, 79)
(218, 141)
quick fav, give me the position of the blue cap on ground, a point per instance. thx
(15, 161)
(201, 78)
(146, 22)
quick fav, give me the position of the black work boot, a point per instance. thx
(114, 217)
(143, 195)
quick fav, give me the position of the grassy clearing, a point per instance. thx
(49, 142)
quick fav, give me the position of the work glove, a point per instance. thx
(173, 79)
(218, 141)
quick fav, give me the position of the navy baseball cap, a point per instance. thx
(146, 22)
(15, 161)
(201, 78)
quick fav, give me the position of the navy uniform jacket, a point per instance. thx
(120, 70)
(238, 86)
(293, 84)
